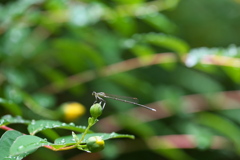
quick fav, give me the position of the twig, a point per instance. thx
(124, 66)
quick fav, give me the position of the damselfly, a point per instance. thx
(100, 95)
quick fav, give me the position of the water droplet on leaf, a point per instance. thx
(63, 141)
(33, 122)
(20, 147)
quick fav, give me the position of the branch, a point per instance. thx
(120, 67)
(134, 63)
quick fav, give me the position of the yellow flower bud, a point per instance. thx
(72, 111)
(95, 144)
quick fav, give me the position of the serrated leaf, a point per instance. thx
(69, 140)
(26, 143)
(5, 143)
(37, 126)
(8, 119)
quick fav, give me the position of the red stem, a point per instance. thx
(46, 146)
(6, 128)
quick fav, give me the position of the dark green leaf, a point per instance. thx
(11, 106)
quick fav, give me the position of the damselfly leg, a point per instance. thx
(98, 99)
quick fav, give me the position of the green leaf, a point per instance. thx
(123, 25)
(8, 119)
(50, 134)
(142, 50)
(16, 77)
(199, 82)
(12, 107)
(66, 50)
(160, 22)
(26, 143)
(44, 100)
(232, 114)
(37, 126)
(223, 126)
(35, 107)
(167, 41)
(68, 140)
(232, 72)
(163, 40)
(53, 75)
(16, 98)
(5, 143)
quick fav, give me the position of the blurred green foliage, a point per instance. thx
(57, 51)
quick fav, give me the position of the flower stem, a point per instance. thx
(6, 128)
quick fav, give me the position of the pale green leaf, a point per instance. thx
(69, 140)
(167, 41)
(160, 22)
(37, 126)
(5, 143)
(8, 119)
(163, 40)
(26, 143)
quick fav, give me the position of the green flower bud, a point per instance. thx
(96, 110)
(95, 144)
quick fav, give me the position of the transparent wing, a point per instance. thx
(133, 99)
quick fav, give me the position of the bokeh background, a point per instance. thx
(180, 57)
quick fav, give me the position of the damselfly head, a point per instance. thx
(93, 93)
